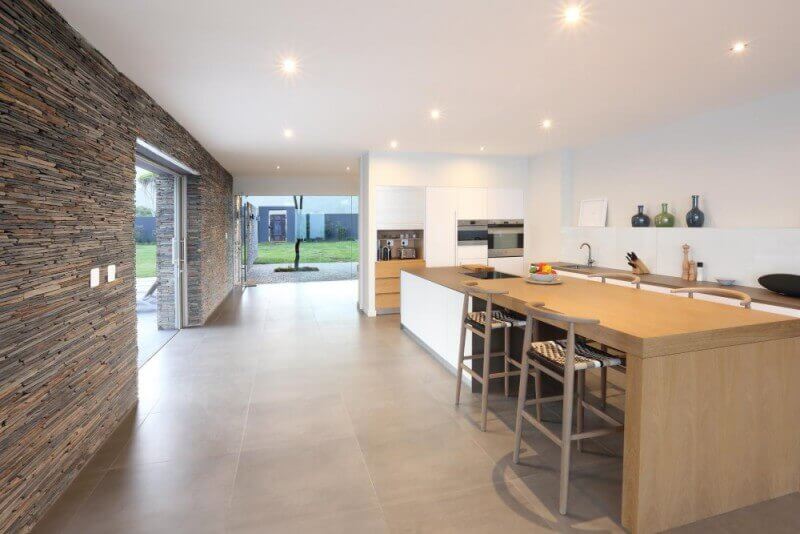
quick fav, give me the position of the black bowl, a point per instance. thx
(785, 284)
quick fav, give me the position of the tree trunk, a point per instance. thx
(297, 254)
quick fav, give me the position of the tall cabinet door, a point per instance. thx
(441, 216)
(472, 203)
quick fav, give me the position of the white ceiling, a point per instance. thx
(372, 70)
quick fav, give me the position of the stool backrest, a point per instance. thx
(743, 298)
(472, 289)
(632, 278)
(536, 312)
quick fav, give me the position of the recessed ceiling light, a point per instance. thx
(573, 14)
(348, 169)
(739, 47)
(436, 114)
(483, 148)
(289, 66)
(287, 133)
(277, 167)
(393, 143)
(547, 124)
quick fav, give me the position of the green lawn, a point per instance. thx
(310, 252)
(145, 260)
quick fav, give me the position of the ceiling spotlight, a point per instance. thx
(573, 14)
(393, 143)
(347, 169)
(436, 114)
(289, 66)
(288, 134)
(547, 124)
(483, 148)
(739, 47)
(277, 167)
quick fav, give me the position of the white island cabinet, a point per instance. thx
(432, 313)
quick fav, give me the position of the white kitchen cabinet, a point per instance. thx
(509, 265)
(441, 216)
(472, 203)
(505, 203)
(399, 208)
(472, 254)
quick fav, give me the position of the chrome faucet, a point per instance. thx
(590, 261)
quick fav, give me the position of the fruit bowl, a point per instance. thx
(543, 272)
(551, 277)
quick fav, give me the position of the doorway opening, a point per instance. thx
(159, 235)
(299, 238)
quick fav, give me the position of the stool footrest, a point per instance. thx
(480, 355)
(541, 428)
(544, 400)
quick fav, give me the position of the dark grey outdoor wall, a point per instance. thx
(347, 221)
(68, 126)
(263, 223)
(145, 229)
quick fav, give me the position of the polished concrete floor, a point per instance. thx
(291, 412)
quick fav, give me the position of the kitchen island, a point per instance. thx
(710, 395)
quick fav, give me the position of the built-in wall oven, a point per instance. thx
(473, 232)
(505, 238)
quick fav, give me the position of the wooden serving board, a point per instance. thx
(477, 267)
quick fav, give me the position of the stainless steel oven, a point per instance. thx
(506, 238)
(473, 232)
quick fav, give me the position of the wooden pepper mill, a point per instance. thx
(686, 271)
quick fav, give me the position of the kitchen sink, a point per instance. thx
(574, 266)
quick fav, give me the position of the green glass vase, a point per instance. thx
(665, 219)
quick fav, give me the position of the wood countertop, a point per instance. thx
(642, 323)
(758, 294)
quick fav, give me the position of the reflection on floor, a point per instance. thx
(148, 336)
(294, 413)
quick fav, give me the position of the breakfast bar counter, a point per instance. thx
(710, 394)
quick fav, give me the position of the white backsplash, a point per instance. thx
(741, 254)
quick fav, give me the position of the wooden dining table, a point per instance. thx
(711, 400)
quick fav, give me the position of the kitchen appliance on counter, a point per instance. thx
(399, 244)
(473, 232)
(490, 275)
(505, 238)
(408, 253)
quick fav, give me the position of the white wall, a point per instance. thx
(423, 170)
(742, 161)
(296, 185)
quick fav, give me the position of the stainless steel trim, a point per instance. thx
(471, 223)
(506, 252)
(474, 242)
(496, 230)
(505, 222)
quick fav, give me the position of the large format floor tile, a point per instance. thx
(291, 412)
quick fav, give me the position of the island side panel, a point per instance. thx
(432, 314)
(710, 431)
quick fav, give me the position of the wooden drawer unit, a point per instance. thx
(387, 283)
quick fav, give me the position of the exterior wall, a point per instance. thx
(165, 232)
(263, 222)
(68, 127)
(347, 221)
(145, 229)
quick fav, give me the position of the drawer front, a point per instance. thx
(391, 269)
(387, 285)
(387, 300)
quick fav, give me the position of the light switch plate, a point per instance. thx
(112, 272)
(94, 277)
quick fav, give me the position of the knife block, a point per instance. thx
(640, 267)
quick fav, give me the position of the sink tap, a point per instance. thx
(590, 261)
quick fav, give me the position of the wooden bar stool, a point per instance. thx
(637, 283)
(562, 360)
(743, 298)
(483, 323)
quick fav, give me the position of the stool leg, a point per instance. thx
(566, 420)
(461, 343)
(523, 389)
(603, 386)
(581, 398)
(487, 350)
(506, 355)
(537, 387)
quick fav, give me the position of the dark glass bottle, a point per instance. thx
(695, 218)
(640, 220)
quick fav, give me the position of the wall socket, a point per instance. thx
(94, 277)
(112, 272)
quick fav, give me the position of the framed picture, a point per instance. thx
(593, 213)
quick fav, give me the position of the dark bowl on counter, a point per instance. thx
(785, 284)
